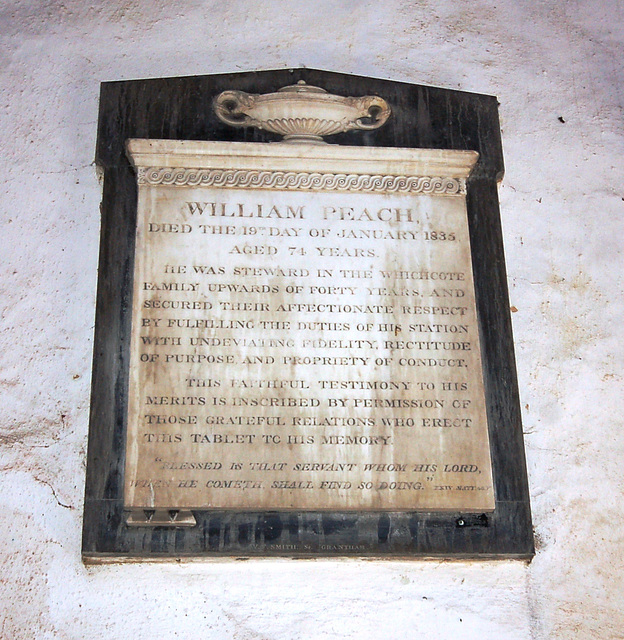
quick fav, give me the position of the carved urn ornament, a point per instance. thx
(301, 113)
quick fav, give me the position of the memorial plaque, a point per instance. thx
(304, 339)
(302, 346)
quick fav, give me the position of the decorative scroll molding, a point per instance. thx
(300, 181)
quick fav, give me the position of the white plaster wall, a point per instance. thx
(562, 206)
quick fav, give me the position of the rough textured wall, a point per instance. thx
(556, 68)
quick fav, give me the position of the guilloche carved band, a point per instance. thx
(300, 181)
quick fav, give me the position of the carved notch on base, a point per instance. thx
(160, 518)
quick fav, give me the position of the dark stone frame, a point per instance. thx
(429, 117)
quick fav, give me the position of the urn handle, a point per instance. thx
(232, 107)
(374, 112)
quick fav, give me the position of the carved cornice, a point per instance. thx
(299, 181)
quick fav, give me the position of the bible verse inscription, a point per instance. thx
(302, 347)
